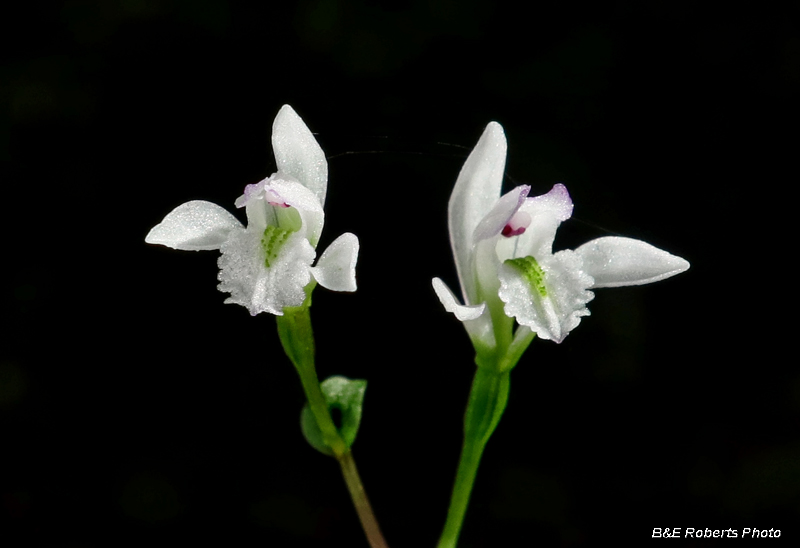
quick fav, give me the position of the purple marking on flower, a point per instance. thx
(274, 199)
(249, 190)
(516, 224)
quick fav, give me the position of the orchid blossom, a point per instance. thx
(506, 267)
(266, 266)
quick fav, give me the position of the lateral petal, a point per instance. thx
(194, 226)
(451, 304)
(547, 212)
(306, 202)
(614, 261)
(502, 212)
(336, 267)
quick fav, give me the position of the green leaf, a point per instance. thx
(346, 395)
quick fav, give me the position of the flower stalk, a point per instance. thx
(297, 339)
(364, 509)
(487, 402)
(514, 287)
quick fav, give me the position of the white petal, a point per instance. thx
(614, 262)
(547, 212)
(297, 152)
(552, 315)
(259, 213)
(502, 212)
(245, 275)
(558, 202)
(474, 195)
(306, 202)
(336, 267)
(194, 226)
(451, 304)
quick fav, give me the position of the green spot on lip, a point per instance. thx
(531, 271)
(272, 241)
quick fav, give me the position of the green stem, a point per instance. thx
(297, 338)
(465, 478)
(487, 401)
(361, 502)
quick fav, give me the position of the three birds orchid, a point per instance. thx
(266, 266)
(507, 270)
(514, 287)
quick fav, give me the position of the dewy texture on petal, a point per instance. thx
(475, 193)
(266, 201)
(502, 212)
(194, 226)
(548, 296)
(266, 266)
(503, 249)
(336, 267)
(298, 154)
(547, 212)
(259, 289)
(451, 304)
(614, 261)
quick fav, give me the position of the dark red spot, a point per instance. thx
(508, 231)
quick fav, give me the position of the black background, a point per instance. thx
(136, 409)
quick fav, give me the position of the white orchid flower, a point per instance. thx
(266, 265)
(506, 267)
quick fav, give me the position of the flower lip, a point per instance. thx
(266, 265)
(545, 292)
